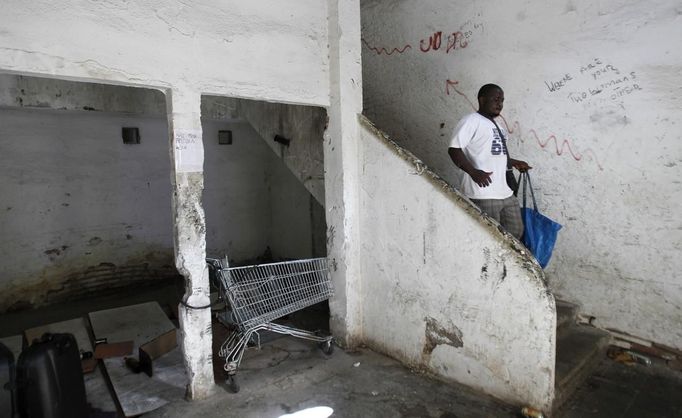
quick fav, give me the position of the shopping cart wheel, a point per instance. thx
(232, 384)
(327, 347)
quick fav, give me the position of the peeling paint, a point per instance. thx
(435, 334)
(467, 260)
(331, 234)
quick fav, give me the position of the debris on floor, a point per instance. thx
(529, 412)
(289, 376)
(627, 357)
(139, 393)
(618, 391)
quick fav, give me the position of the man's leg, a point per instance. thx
(510, 216)
(491, 207)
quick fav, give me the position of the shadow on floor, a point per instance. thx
(616, 390)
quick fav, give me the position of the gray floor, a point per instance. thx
(289, 375)
(621, 391)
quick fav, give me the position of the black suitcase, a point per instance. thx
(50, 379)
(7, 400)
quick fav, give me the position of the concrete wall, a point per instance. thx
(592, 96)
(266, 50)
(304, 126)
(212, 46)
(253, 201)
(41, 92)
(297, 227)
(81, 211)
(443, 288)
(84, 213)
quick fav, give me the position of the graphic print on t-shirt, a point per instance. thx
(498, 147)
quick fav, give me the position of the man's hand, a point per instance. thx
(480, 177)
(522, 166)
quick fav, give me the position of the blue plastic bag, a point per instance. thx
(539, 232)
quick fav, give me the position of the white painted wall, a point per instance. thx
(236, 192)
(604, 142)
(295, 230)
(252, 200)
(303, 125)
(74, 196)
(41, 92)
(262, 50)
(443, 289)
(342, 171)
(212, 46)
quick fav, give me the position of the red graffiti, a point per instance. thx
(565, 144)
(456, 40)
(450, 83)
(435, 41)
(452, 41)
(380, 51)
(516, 127)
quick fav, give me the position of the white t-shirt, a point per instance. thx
(477, 136)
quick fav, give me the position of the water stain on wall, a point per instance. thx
(436, 334)
(67, 281)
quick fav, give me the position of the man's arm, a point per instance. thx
(520, 165)
(480, 177)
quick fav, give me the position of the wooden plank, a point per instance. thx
(138, 393)
(96, 388)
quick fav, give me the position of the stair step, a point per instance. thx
(579, 351)
(565, 314)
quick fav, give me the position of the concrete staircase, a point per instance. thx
(579, 349)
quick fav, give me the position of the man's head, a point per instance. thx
(490, 100)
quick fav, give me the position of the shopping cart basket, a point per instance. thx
(260, 294)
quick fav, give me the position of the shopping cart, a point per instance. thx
(257, 295)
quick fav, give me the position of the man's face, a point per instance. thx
(491, 104)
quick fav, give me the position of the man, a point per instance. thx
(478, 147)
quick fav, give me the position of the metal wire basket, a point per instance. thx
(263, 293)
(260, 294)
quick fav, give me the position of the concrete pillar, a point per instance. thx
(187, 156)
(342, 166)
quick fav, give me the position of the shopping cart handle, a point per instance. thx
(214, 262)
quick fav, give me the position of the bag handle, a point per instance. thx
(525, 178)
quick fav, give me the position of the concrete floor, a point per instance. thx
(289, 375)
(621, 391)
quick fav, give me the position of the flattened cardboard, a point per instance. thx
(156, 348)
(138, 393)
(160, 345)
(110, 350)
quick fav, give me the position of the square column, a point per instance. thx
(189, 227)
(342, 168)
